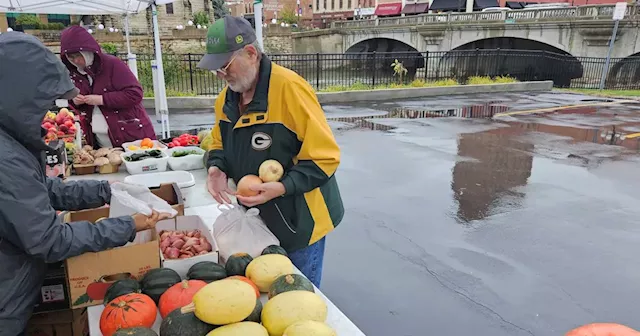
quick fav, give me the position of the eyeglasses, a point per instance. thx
(223, 70)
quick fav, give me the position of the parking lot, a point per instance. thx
(525, 223)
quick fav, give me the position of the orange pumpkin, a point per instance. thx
(247, 280)
(603, 329)
(179, 295)
(126, 311)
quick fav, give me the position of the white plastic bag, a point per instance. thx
(237, 230)
(128, 199)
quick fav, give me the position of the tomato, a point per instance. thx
(183, 141)
(170, 145)
(176, 143)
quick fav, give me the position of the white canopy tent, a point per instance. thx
(107, 7)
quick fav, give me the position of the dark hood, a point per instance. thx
(75, 39)
(31, 79)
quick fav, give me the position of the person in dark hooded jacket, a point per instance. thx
(31, 234)
(110, 99)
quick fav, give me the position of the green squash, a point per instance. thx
(178, 323)
(274, 249)
(256, 313)
(207, 271)
(121, 287)
(157, 281)
(135, 331)
(290, 282)
(237, 264)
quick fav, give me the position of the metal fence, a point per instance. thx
(336, 71)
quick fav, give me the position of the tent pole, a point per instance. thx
(161, 90)
(131, 58)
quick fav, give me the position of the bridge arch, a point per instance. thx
(387, 51)
(524, 59)
(625, 73)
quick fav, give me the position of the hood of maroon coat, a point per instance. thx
(75, 39)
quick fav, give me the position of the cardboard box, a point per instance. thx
(56, 159)
(168, 192)
(90, 275)
(54, 293)
(187, 223)
(62, 323)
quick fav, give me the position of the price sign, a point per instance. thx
(619, 11)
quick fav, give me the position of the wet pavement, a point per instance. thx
(521, 224)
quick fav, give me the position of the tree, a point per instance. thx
(220, 9)
(288, 15)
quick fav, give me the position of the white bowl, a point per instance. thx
(189, 162)
(150, 165)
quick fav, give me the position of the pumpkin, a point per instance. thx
(245, 279)
(603, 329)
(240, 329)
(309, 328)
(207, 271)
(274, 249)
(157, 281)
(256, 313)
(179, 295)
(178, 323)
(135, 331)
(288, 308)
(237, 264)
(290, 282)
(223, 302)
(263, 270)
(126, 311)
(121, 287)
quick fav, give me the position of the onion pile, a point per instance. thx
(183, 244)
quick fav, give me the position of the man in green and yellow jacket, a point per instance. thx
(269, 112)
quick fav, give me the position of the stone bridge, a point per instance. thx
(578, 31)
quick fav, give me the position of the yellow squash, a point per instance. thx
(309, 328)
(288, 308)
(223, 302)
(264, 270)
(240, 329)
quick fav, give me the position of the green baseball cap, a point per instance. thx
(226, 36)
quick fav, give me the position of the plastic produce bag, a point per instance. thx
(128, 199)
(237, 230)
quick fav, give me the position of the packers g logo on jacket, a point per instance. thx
(260, 141)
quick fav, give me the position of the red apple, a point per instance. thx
(47, 125)
(60, 118)
(69, 123)
(61, 133)
(63, 128)
(72, 130)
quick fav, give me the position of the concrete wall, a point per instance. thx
(277, 40)
(320, 41)
(585, 38)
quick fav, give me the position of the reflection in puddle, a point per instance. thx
(484, 185)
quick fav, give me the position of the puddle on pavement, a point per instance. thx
(494, 166)
(486, 185)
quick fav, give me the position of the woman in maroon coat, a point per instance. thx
(110, 99)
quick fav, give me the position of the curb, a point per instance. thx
(207, 102)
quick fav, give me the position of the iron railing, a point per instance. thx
(336, 71)
(590, 12)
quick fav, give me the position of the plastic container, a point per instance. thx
(149, 165)
(156, 145)
(188, 162)
(152, 180)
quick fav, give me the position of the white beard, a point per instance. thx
(244, 83)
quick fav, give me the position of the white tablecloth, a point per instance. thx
(199, 202)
